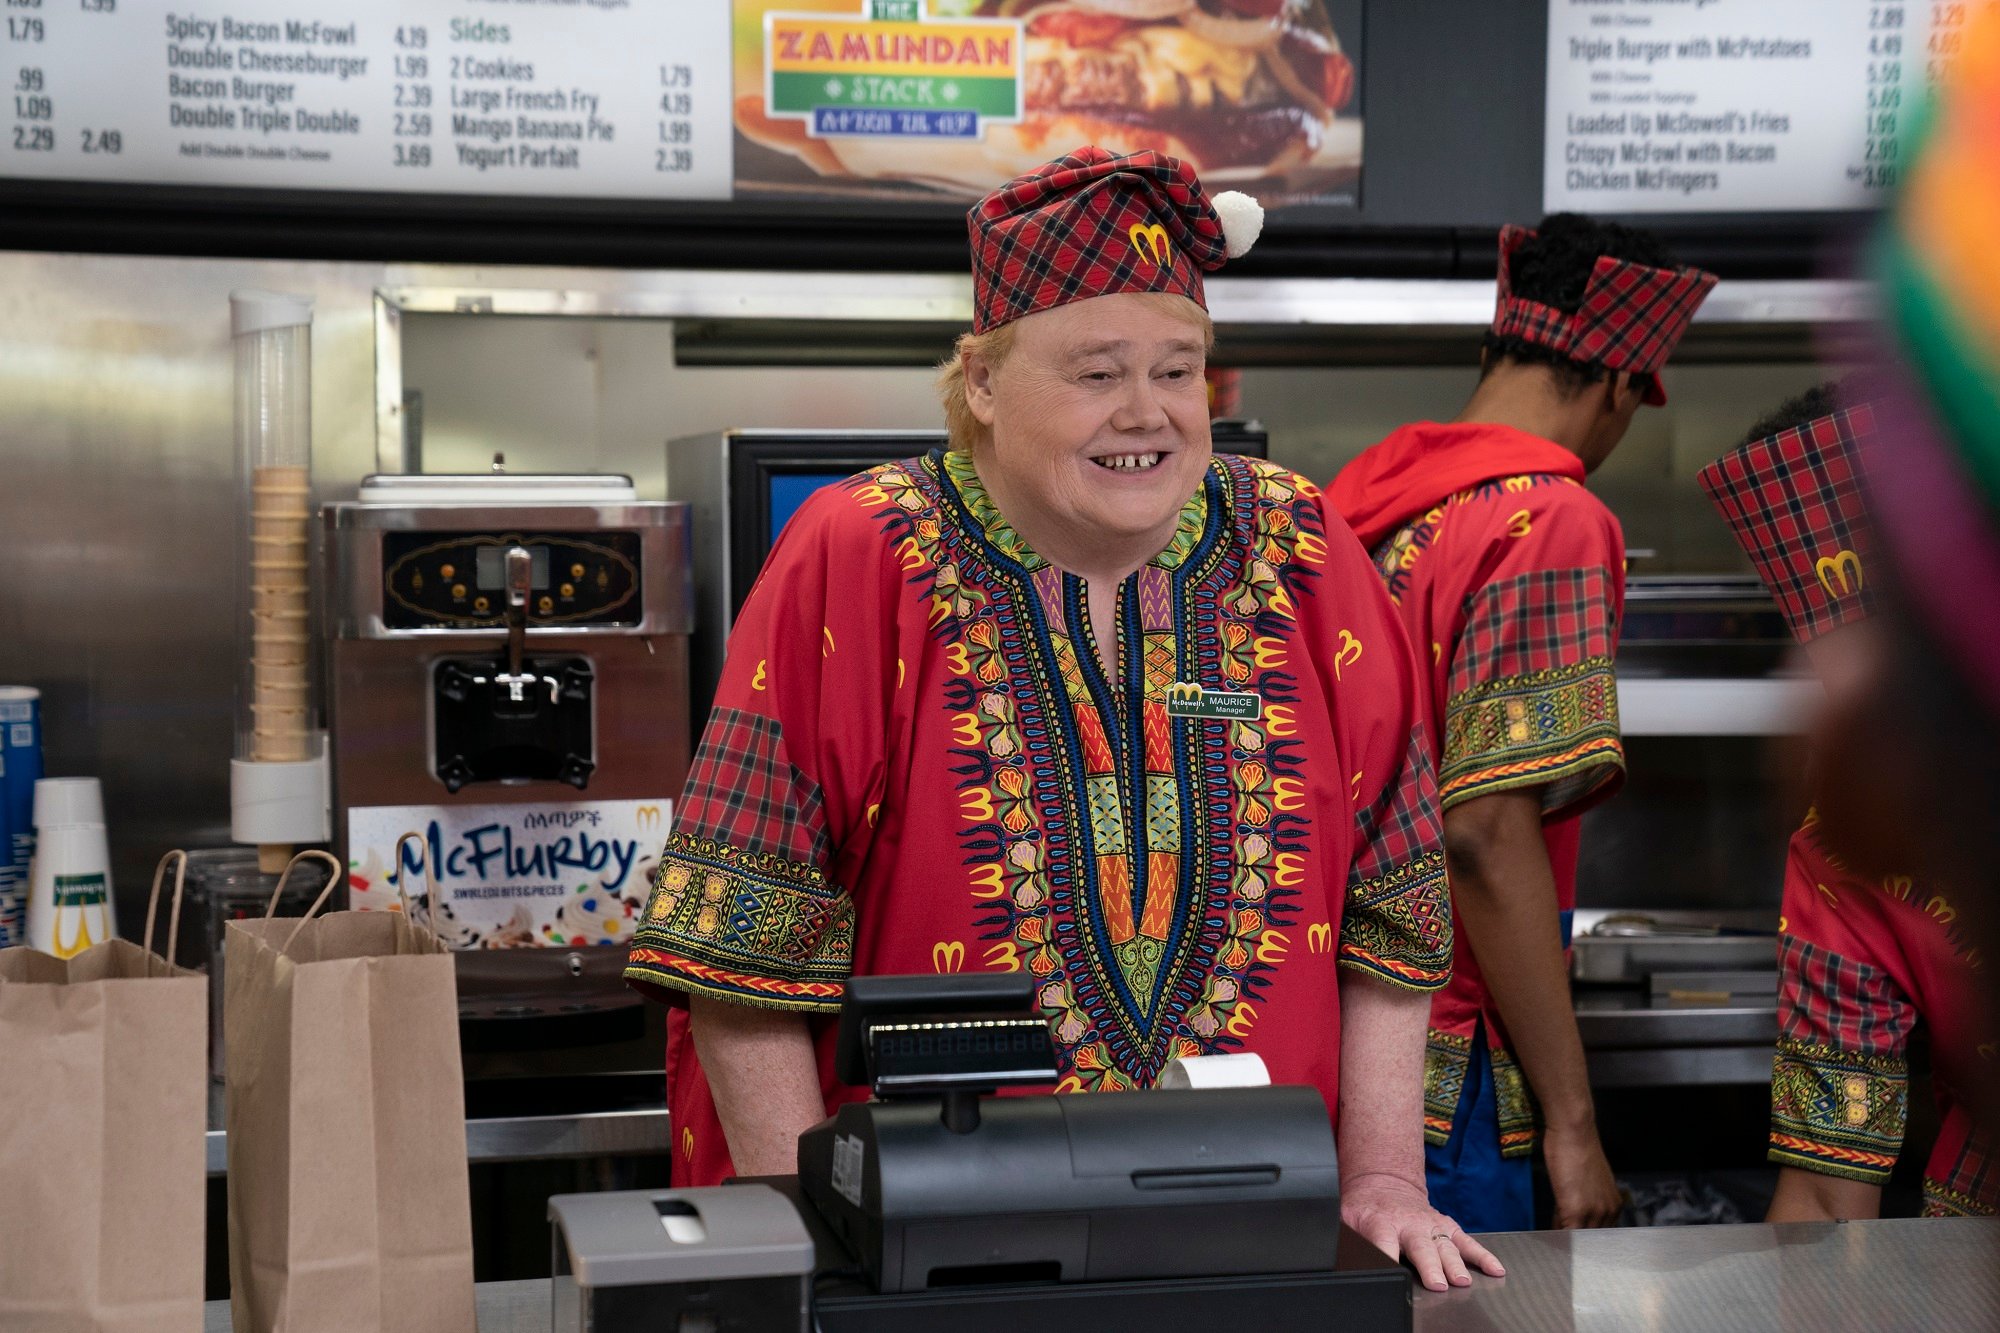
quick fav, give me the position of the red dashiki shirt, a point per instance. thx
(1510, 579)
(1860, 965)
(917, 762)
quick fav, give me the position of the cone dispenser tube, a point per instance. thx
(275, 717)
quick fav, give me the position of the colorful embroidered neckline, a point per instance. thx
(958, 470)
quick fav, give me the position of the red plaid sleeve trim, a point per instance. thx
(743, 790)
(1396, 924)
(1970, 1187)
(741, 907)
(1794, 503)
(1533, 692)
(1840, 1082)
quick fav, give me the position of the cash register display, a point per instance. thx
(974, 1052)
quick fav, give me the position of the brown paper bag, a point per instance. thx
(349, 1209)
(103, 1104)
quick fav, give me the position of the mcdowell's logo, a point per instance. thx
(1845, 568)
(1149, 241)
(647, 817)
(1187, 699)
(892, 70)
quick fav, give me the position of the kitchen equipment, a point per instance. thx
(1626, 947)
(935, 1183)
(278, 780)
(733, 1257)
(507, 680)
(938, 1205)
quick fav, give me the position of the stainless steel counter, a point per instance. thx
(1800, 1278)
(1809, 1277)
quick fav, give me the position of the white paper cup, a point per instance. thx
(69, 885)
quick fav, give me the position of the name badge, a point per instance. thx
(1189, 700)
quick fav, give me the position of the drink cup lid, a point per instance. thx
(61, 801)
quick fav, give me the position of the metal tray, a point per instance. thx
(1721, 941)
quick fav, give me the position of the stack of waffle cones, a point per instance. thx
(279, 632)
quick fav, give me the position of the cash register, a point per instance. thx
(941, 1200)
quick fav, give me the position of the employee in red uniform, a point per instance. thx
(1075, 697)
(1865, 963)
(1509, 577)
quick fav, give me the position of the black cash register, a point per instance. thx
(941, 1204)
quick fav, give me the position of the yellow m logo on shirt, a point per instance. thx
(1348, 654)
(1239, 1024)
(948, 956)
(986, 882)
(1183, 692)
(1149, 240)
(1844, 567)
(1319, 937)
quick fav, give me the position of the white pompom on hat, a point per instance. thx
(1242, 220)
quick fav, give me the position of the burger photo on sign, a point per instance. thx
(1243, 90)
(1252, 93)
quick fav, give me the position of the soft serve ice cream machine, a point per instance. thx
(508, 719)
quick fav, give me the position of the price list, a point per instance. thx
(589, 98)
(1737, 105)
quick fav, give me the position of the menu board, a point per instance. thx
(689, 99)
(1664, 106)
(602, 98)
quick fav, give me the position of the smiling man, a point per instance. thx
(1079, 697)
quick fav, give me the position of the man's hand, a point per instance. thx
(1586, 1193)
(1381, 1135)
(1396, 1217)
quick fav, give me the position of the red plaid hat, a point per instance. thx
(1794, 502)
(1630, 319)
(1090, 224)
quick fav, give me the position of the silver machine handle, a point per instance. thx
(520, 578)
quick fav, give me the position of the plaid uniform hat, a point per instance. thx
(1793, 501)
(1631, 317)
(1090, 224)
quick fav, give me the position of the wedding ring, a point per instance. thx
(1440, 1235)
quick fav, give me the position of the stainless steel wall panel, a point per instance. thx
(118, 511)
